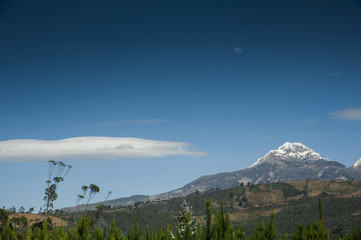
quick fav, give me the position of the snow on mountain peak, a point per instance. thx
(291, 150)
(357, 164)
(288, 147)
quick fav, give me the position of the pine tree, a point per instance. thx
(267, 232)
(209, 231)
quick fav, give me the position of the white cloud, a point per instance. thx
(124, 122)
(349, 114)
(237, 50)
(97, 148)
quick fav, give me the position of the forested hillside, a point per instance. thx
(317, 209)
(292, 202)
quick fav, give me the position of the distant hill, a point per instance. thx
(291, 161)
(291, 201)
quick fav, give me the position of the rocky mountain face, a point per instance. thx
(291, 161)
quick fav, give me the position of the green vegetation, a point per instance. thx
(265, 211)
(247, 206)
(217, 227)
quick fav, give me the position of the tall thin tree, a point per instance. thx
(56, 173)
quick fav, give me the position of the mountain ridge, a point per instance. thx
(291, 161)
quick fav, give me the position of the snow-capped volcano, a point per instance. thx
(292, 152)
(291, 161)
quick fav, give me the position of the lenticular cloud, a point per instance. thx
(98, 148)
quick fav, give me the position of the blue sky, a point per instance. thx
(213, 85)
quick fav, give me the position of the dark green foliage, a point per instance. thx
(338, 231)
(209, 231)
(155, 218)
(217, 227)
(287, 189)
(223, 224)
(314, 231)
(320, 210)
(301, 232)
(48, 223)
(221, 229)
(268, 231)
(355, 235)
(307, 210)
(114, 232)
(159, 213)
(7, 232)
(19, 223)
(4, 216)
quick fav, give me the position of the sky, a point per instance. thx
(142, 97)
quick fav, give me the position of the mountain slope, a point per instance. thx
(291, 161)
(247, 205)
